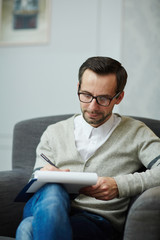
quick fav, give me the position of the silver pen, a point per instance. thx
(47, 159)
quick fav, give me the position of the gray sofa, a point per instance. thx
(143, 218)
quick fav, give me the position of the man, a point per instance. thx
(113, 146)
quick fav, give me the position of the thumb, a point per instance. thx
(64, 170)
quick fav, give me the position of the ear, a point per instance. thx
(119, 99)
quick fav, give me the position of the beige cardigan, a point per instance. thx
(131, 145)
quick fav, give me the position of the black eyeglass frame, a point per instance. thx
(95, 97)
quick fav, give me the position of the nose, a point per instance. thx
(94, 105)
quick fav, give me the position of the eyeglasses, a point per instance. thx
(102, 100)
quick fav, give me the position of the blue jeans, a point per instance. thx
(48, 216)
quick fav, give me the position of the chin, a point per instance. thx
(95, 121)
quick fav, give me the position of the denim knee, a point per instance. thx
(53, 190)
(24, 230)
(46, 195)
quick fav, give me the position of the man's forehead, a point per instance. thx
(101, 85)
(104, 79)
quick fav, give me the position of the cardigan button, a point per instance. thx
(87, 164)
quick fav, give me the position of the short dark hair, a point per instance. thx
(104, 66)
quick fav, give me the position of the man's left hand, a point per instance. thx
(105, 189)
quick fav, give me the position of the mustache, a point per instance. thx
(93, 112)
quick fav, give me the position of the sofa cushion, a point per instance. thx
(6, 238)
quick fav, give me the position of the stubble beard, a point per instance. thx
(93, 121)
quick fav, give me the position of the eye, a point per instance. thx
(87, 96)
(84, 97)
(102, 98)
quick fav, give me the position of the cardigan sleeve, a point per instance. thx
(44, 147)
(133, 184)
(148, 151)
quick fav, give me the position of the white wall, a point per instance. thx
(141, 57)
(33, 77)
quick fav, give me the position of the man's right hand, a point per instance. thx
(49, 167)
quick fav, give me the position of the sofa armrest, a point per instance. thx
(11, 182)
(143, 220)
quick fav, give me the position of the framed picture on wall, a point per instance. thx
(24, 22)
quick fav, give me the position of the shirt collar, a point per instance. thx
(86, 127)
(103, 129)
(100, 131)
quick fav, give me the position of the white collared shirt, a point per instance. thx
(88, 139)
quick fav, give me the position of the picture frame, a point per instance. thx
(25, 22)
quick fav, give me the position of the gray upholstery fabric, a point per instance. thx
(11, 182)
(143, 217)
(26, 138)
(6, 238)
(143, 221)
(151, 123)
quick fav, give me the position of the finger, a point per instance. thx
(96, 188)
(86, 190)
(64, 170)
(49, 167)
(90, 188)
(105, 195)
(100, 192)
(89, 192)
